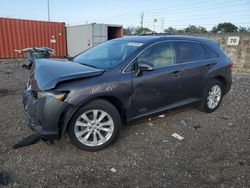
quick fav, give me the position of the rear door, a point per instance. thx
(193, 67)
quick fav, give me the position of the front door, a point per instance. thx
(159, 87)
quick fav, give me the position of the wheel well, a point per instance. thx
(118, 104)
(223, 81)
(65, 119)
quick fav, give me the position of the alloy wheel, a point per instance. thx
(94, 127)
(214, 97)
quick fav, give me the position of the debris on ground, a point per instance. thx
(150, 124)
(177, 136)
(162, 116)
(30, 140)
(197, 127)
(223, 117)
(113, 170)
(8, 72)
(183, 123)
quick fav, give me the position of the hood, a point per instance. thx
(47, 73)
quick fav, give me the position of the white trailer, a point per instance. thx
(82, 37)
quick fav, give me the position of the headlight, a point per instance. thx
(58, 96)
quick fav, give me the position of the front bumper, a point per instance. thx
(43, 115)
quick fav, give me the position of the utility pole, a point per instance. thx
(48, 11)
(162, 25)
(142, 17)
(154, 21)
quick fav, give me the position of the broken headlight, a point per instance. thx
(60, 96)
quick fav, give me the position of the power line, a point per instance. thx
(196, 11)
(191, 7)
(174, 8)
(195, 18)
(184, 10)
(192, 21)
(200, 8)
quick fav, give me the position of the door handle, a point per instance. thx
(177, 74)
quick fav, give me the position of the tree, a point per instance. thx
(243, 29)
(142, 30)
(195, 29)
(189, 29)
(170, 30)
(225, 28)
(129, 30)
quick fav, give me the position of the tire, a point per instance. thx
(206, 106)
(91, 122)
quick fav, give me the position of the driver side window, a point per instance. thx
(159, 55)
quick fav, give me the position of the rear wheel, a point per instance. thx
(212, 96)
(94, 126)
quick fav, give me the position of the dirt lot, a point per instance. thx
(215, 151)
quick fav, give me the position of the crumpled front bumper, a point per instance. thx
(43, 115)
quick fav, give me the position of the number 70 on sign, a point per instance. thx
(233, 41)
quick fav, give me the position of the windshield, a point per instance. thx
(108, 54)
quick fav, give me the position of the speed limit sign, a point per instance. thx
(233, 41)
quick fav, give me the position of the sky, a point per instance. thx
(169, 13)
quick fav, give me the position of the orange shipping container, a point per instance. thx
(16, 34)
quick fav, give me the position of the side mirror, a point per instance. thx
(142, 66)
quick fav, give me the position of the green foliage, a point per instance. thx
(142, 30)
(171, 30)
(243, 29)
(131, 30)
(189, 29)
(225, 28)
(220, 28)
(195, 29)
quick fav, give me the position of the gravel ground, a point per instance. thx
(215, 151)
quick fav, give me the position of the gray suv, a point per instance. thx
(122, 80)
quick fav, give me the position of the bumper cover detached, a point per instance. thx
(43, 115)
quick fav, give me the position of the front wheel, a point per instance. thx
(212, 96)
(94, 126)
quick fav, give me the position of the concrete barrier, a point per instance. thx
(238, 53)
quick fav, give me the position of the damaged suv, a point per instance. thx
(122, 80)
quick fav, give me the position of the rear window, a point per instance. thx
(189, 51)
(210, 54)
